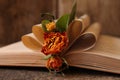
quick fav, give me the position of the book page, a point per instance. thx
(107, 46)
(17, 54)
(87, 40)
(105, 55)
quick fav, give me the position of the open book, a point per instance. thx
(87, 50)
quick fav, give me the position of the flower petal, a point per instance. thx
(31, 43)
(74, 30)
(38, 32)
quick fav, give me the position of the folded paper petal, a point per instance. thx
(84, 42)
(87, 40)
(76, 29)
(38, 32)
(31, 43)
(85, 19)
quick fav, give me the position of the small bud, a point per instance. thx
(54, 63)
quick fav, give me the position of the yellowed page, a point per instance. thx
(88, 39)
(107, 45)
(17, 54)
(105, 56)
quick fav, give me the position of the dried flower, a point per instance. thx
(53, 39)
(54, 42)
(50, 26)
(54, 63)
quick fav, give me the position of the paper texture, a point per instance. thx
(87, 49)
(104, 56)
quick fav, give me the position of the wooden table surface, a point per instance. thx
(27, 73)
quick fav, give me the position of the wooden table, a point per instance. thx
(27, 73)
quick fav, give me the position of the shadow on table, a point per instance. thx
(70, 71)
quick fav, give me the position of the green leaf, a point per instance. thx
(44, 22)
(47, 57)
(73, 12)
(62, 23)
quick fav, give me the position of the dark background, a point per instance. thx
(18, 16)
(107, 12)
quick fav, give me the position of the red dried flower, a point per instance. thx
(54, 42)
(54, 63)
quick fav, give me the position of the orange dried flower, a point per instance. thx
(50, 26)
(54, 63)
(54, 42)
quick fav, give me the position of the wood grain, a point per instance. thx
(20, 73)
(107, 12)
(18, 16)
